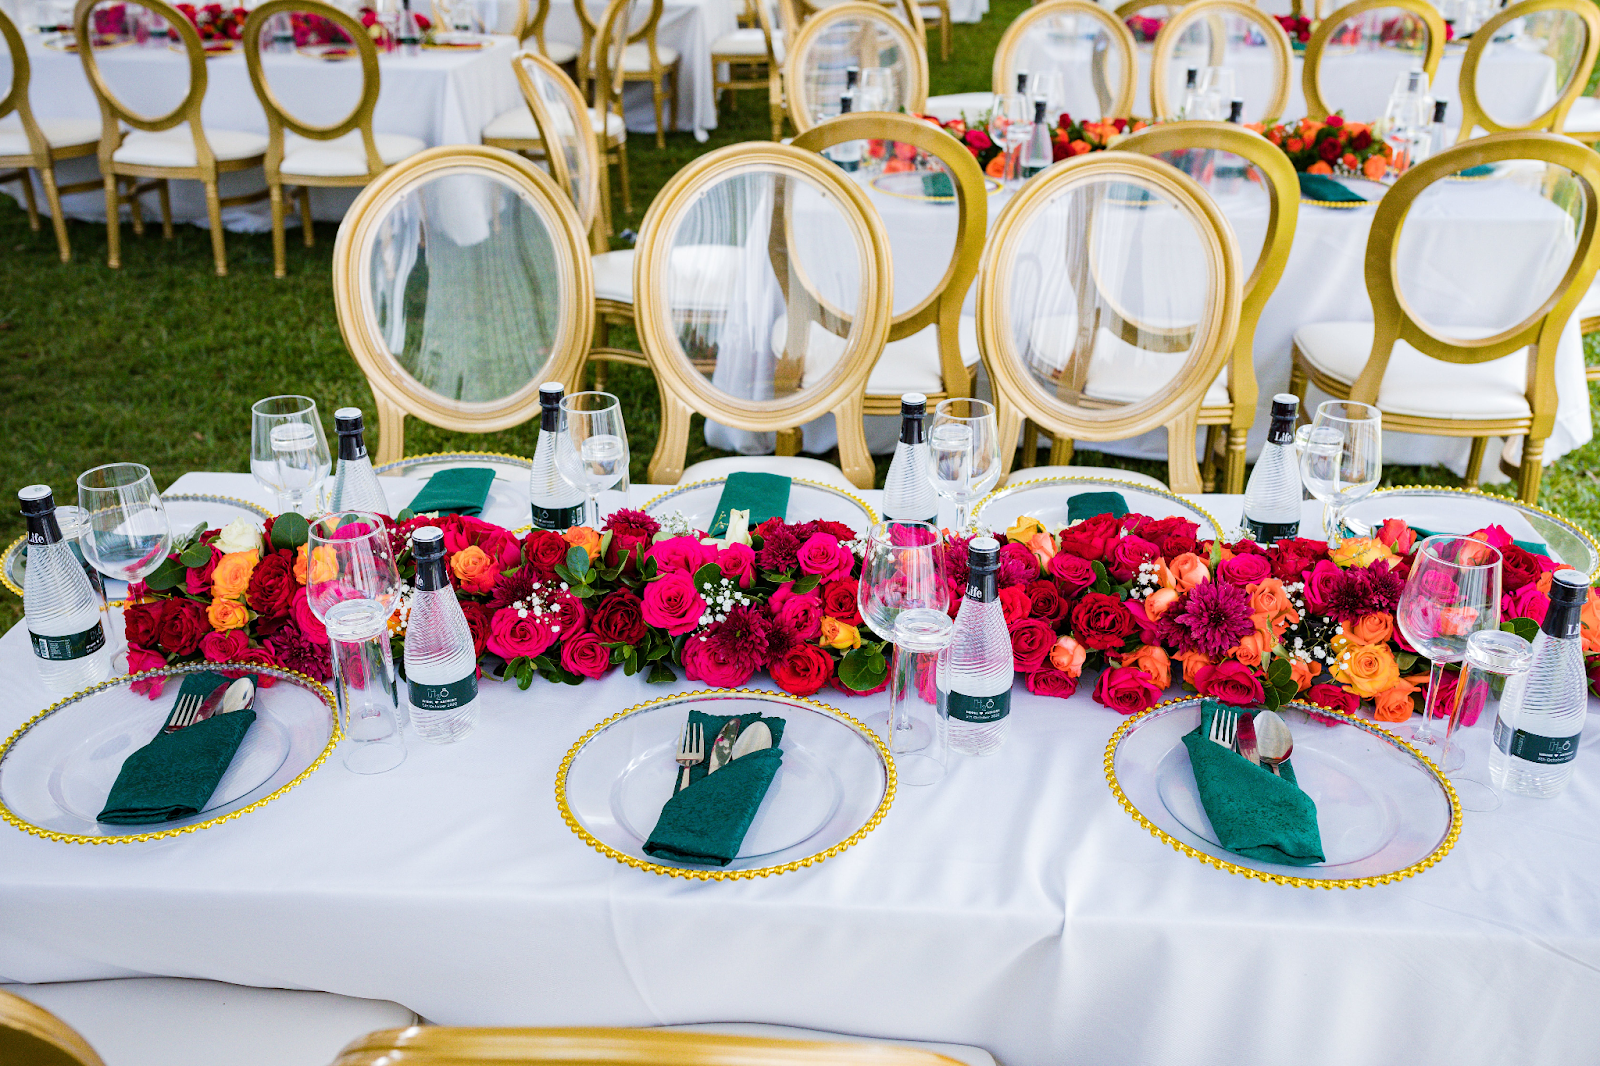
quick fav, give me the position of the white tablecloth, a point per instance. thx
(1015, 906)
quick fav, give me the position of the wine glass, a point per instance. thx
(122, 524)
(1452, 592)
(1342, 459)
(1217, 91)
(1010, 122)
(592, 451)
(352, 587)
(288, 450)
(964, 448)
(877, 89)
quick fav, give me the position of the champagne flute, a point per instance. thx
(1342, 459)
(592, 451)
(288, 450)
(123, 528)
(964, 446)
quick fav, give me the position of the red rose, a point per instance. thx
(673, 603)
(841, 531)
(1176, 544)
(1051, 682)
(310, 625)
(1126, 690)
(584, 654)
(1072, 574)
(183, 623)
(1017, 566)
(1031, 640)
(543, 550)
(1048, 603)
(799, 615)
(1102, 622)
(1334, 698)
(803, 670)
(1231, 682)
(1363, 140)
(1091, 538)
(223, 647)
(1329, 148)
(839, 601)
(1593, 669)
(1293, 557)
(618, 619)
(1123, 560)
(1518, 567)
(478, 618)
(1016, 604)
(627, 543)
(264, 657)
(142, 622)
(272, 585)
(515, 633)
(1246, 569)
(566, 615)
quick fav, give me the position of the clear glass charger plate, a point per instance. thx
(833, 788)
(184, 511)
(1046, 499)
(1440, 509)
(808, 501)
(58, 767)
(1384, 811)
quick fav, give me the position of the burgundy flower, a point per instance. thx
(1518, 567)
(952, 559)
(730, 651)
(619, 618)
(142, 622)
(779, 551)
(1211, 618)
(544, 550)
(183, 623)
(839, 600)
(291, 649)
(1102, 622)
(197, 579)
(478, 617)
(1017, 566)
(272, 585)
(1047, 602)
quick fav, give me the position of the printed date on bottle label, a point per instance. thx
(1267, 533)
(978, 709)
(443, 697)
(1521, 744)
(557, 517)
(72, 646)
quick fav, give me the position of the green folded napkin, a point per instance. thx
(938, 186)
(763, 495)
(1253, 811)
(1534, 546)
(1482, 170)
(706, 822)
(174, 775)
(1088, 504)
(463, 490)
(1317, 187)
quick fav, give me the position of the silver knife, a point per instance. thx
(207, 708)
(723, 746)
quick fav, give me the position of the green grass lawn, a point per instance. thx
(159, 362)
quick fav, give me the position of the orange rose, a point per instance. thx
(1591, 624)
(232, 575)
(1267, 597)
(1067, 655)
(1295, 144)
(474, 570)
(1250, 650)
(585, 538)
(1078, 147)
(1319, 167)
(1043, 546)
(1153, 661)
(324, 566)
(839, 635)
(1350, 160)
(1366, 669)
(1393, 704)
(1304, 672)
(1375, 167)
(300, 564)
(1188, 570)
(226, 614)
(1377, 628)
(1361, 551)
(1192, 662)
(1156, 604)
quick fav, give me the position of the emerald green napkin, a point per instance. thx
(1482, 170)
(174, 775)
(1088, 504)
(1535, 546)
(938, 186)
(1317, 187)
(1253, 811)
(706, 822)
(763, 495)
(463, 490)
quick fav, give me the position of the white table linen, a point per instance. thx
(1015, 906)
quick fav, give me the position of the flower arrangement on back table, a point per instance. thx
(1330, 146)
(1069, 138)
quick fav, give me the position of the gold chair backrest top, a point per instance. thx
(1311, 73)
(32, 1036)
(1208, 340)
(113, 110)
(1213, 11)
(685, 388)
(526, 26)
(381, 205)
(1004, 75)
(16, 96)
(278, 117)
(1473, 115)
(535, 72)
(610, 46)
(912, 47)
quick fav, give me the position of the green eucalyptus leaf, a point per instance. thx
(578, 561)
(196, 555)
(290, 530)
(166, 576)
(805, 583)
(863, 669)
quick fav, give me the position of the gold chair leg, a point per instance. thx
(214, 213)
(1475, 462)
(1532, 469)
(279, 267)
(944, 36)
(672, 103)
(1298, 380)
(599, 375)
(1030, 445)
(657, 95)
(622, 175)
(1208, 468)
(307, 233)
(1061, 449)
(164, 195)
(1234, 483)
(788, 442)
(27, 198)
(605, 197)
(58, 221)
(113, 223)
(135, 208)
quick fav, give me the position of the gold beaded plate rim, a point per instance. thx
(866, 508)
(1112, 482)
(1340, 205)
(518, 461)
(1439, 851)
(696, 873)
(315, 687)
(15, 546)
(990, 187)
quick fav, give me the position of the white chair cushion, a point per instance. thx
(343, 156)
(170, 1021)
(747, 42)
(945, 108)
(702, 276)
(175, 147)
(910, 364)
(636, 57)
(1584, 116)
(1019, 475)
(518, 125)
(1417, 384)
(787, 465)
(613, 276)
(1589, 306)
(58, 133)
(560, 54)
(971, 1056)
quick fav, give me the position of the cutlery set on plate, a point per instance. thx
(729, 744)
(1263, 738)
(223, 699)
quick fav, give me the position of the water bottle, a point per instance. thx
(908, 489)
(846, 154)
(59, 606)
(1038, 154)
(977, 668)
(557, 503)
(1534, 746)
(407, 34)
(355, 485)
(1272, 496)
(1436, 141)
(1191, 95)
(1236, 112)
(1022, 83)
(441, 666)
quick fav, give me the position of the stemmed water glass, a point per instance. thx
(1342, 459)
(1010, 122)
(1217, 92)
(964, 448)
(352, 587)
(1452, 592)
(123, 528)
(877, 90)
(592, 451)
(288, 449)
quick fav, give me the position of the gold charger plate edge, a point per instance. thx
(872, 512)
(977, 512)
(722, 874)
(516, 459)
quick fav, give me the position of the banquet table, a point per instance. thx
(1014, 906)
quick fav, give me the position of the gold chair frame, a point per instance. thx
(526, 27)
(1311, 72)
(1133, 7)
(619, 11)
(1003, 79)
(113, 113)
(685, 390)
(759, 73)
(32, 1036)
(915, 49)
(1539, 334)
(945, 25)
(1018, 398)
(596, 186)
(1283, 196)
(1473, 116)
(1167, 43)
(396, 393)
(40, 156)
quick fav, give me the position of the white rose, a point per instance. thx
(240, 535)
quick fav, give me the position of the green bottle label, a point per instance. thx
(978, 709)
(1267, 534)
(73, 646)
(1546, 751)
(557, 518)
(444, 697)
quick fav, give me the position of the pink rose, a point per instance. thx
(738, 564)
(701, 662)
(1242, 570)
(673, 603)
(225, 647)
(1126, 690)
(1051, 682)
(1321, 581)
(256, 657)
(1123, 560)
(514, 633)
(680, 554)
(823, 555)
(584, 654)
(566, 615)
(502, 547)
(800, 614)
(140, 659)
(310, 627)
(1072, 574)
(1231, 682)
(1526, 602)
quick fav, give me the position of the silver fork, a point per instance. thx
(183, 714)
(1224, 727)
(691, 751)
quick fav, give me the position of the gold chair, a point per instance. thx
(1462, 385)
(158, 148)
(1214, 16)
(1424, 18)
(642, 58)
(938, 9)
(1108, 304)
(32, 1036)
(342, 154)
(462, 282)
(1229, 404)
(854, 33)
(814, 268)
(27, 145)
(754, 59)
(1553, 22)
(559, 53)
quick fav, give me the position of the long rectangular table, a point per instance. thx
(1014, 906)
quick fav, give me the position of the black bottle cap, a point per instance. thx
(1439, 107)
(427, 544)
(551, 394)
(1569, 591)
(1192, 79)
(37, 500)
(913, 405)
(1039, 103)
(1568, 586)
(851, 76)
(845, 102)
(1285, 405)
(347, 420)
(983, 554)
(1236, 112)
(1022, 81)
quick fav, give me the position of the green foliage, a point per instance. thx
(865, 668)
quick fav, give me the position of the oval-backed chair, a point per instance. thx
(852, 34)
(1224, 33)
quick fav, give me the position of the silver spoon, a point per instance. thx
(1274, 742)
(240, 694)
